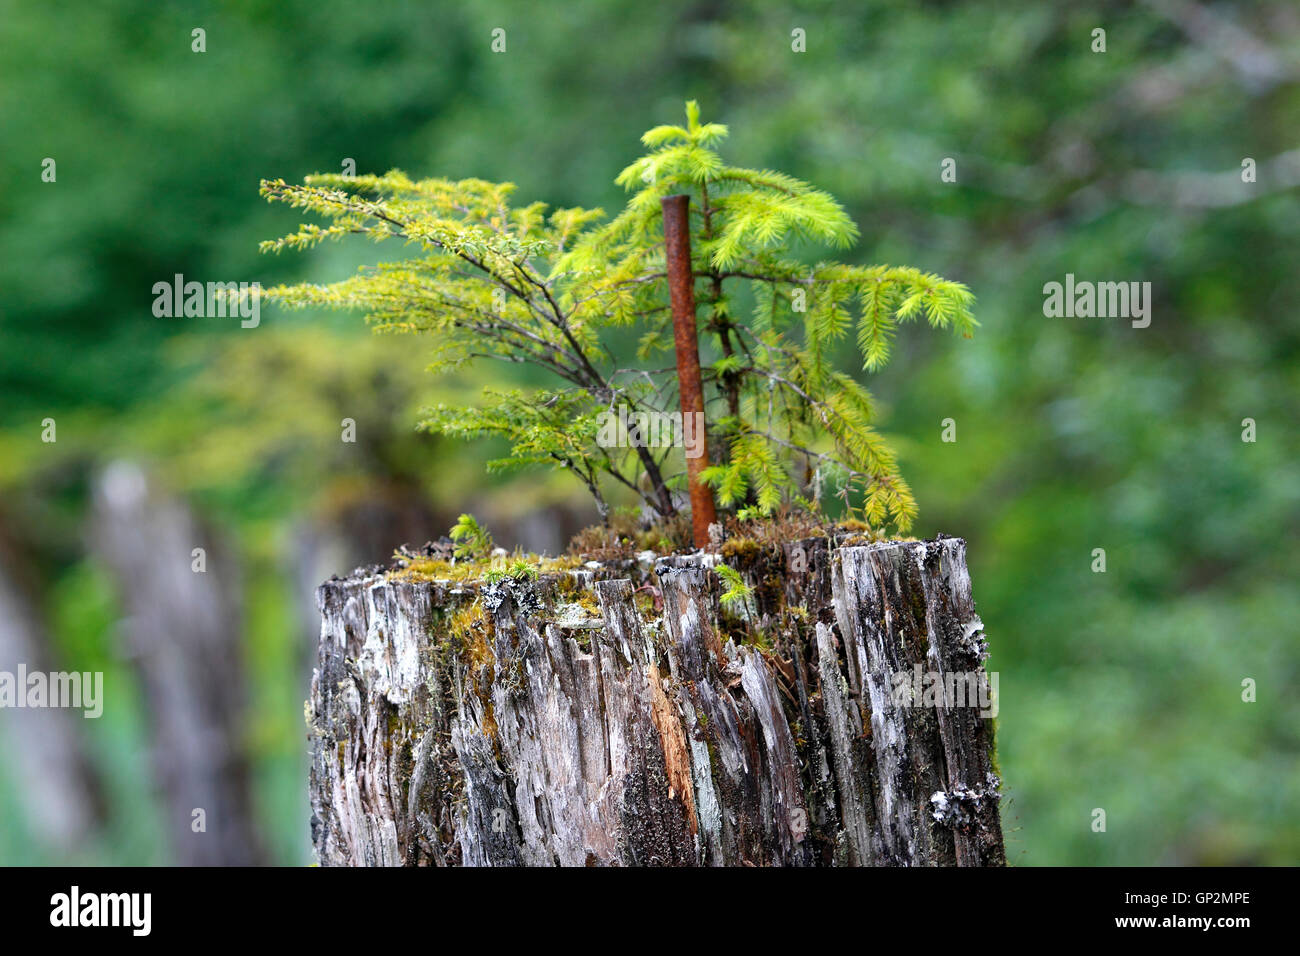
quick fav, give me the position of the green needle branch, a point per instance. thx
(547, 288)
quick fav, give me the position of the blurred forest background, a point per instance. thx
(1119, 691)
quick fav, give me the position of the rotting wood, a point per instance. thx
(566, 721)
(183, 636)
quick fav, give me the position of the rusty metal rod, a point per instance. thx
(681, 290)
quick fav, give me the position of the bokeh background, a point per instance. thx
(1120, 691)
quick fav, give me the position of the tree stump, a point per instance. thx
(183, 634)
(618, 713)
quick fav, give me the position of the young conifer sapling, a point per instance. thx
(557, 288)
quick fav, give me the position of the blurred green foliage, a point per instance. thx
(1119, 690)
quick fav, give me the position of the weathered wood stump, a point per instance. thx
(619, 714)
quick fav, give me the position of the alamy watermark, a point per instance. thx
(131, 911)
(81, 691)
(1101, 300)
(212, 300)
(922, 688)
(622, 429)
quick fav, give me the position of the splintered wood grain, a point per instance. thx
(516, 724)
(677, 755)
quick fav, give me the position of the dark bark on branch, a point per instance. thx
(619, 714)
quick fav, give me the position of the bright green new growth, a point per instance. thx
(521, 285)
(517, 570)
(472, 539)
(737, 589)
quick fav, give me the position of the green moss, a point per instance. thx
(460, 571)
(471, 632)
(516, 570)
(645, 604)
(469, 628)
(742, 551)
(437, 569)
(565, 562)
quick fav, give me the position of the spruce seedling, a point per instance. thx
(522, 284)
